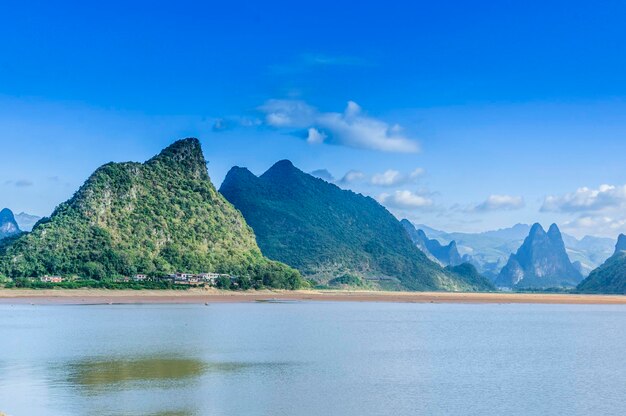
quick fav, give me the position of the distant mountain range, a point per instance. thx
(26, 221)
(165, 215)
(610, 277)
(540, 262)
(154, 218)
(489, 251)
(446, 255)
(8, 225)
(327, 232)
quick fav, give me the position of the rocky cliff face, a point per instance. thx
(446, 255)
(540, 262)
(8, 225)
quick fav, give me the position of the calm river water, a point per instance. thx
(279, 359)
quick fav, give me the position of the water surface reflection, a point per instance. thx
(146, 372)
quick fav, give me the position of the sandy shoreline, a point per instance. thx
(199, 296)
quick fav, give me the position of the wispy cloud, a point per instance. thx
(500, 203)
(352, 127)
(587, 199)
(231, 123)
(392, 177)
(20, 183)
(352, 176)
(405, 199)
(605, 225)
(323, 174)
(307, 62)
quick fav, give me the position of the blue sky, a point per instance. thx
(465, 117)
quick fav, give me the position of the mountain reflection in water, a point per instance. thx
(108, 371)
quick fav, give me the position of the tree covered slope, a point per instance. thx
(610, 277)
(157, 217)
(325, 231)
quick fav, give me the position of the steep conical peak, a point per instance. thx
(554, 232)
(421, 233)
(6, 215)
(239, 171)
(621, 244)
(185, 153)
(283, 164)
(406, 222)
(282, 167)
(541, 261)
(8, 225)
(536, 229)
(237, 175)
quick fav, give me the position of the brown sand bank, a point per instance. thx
(103, 296)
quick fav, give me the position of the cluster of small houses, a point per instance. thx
(174, 278)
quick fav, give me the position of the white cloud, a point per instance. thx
(417, 173)
(601, 225)
(388, 178)
(500, 203)
(352, 176)
(393, 177)
(404, 199)
(288, 113)
(315, 136)
(20, 183)
(587, 200)
(351, 128)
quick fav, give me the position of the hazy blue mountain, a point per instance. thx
(26, 221)
(621, 244)
(590, 251)
(610, 277)
(447, 255)
(489, 251)
(8, 225)
(541, 262)
(327, 232)
(431, 232)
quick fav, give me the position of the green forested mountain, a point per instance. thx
(470, 275)
(610, 277)
(326, 232)
(160, 216)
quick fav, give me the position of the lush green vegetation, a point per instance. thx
(468, 273)
(348, 279)
(24, 283)
(153, 218)
(608, 278)
(325, 231)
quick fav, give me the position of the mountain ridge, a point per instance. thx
(325, 231)
(447, 255)
(156, 217)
